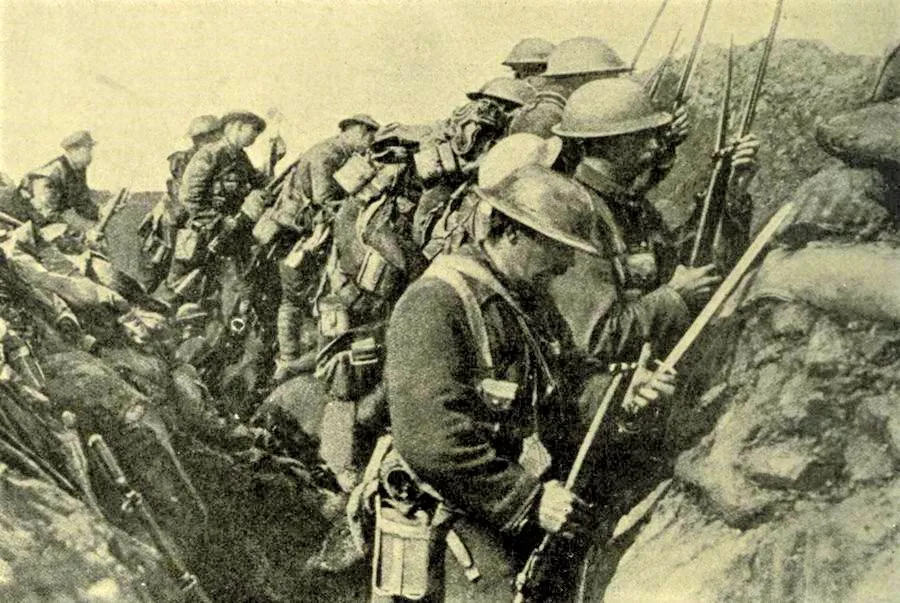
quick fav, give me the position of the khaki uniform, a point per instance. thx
(311, 196)
(52, 189)
(469, 438)
(214, 184)
(373, 258)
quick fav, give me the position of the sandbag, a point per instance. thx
(859, 282)
(840, 201)
(866, 137)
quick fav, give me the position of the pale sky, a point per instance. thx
(135, 73)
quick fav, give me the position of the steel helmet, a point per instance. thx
(505, 89)
(516, 151)
(580, 56)
(530, 51)
(609, 107)
(547, 202)
(205, 124)
(887, 78)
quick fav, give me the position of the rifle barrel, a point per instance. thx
(750, 111)
(647, 35)
(714, 196)
(689, 64)
(660, 73)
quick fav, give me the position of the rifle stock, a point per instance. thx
(134, 501)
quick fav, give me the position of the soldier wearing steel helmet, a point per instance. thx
(481, 384)
(623, 153)
(528, 60)
(158, 226)
(305, 208)
(450, 160)
(572, 63)
(216, 181)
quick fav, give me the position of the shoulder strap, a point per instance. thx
(474, 316)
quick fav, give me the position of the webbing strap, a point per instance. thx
(443, 271)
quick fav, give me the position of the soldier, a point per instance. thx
(528, 60)
(451, 160)
(571, 64)
(460, 222)
(622, 142)
(373, 258)
(45, 193)
(215, 183)
(158, 226)
(306, 206)
(481, 389)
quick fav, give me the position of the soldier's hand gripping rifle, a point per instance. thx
(525, 579)
(134, 502)
(715, 196)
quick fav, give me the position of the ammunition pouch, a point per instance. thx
(351, 371)
(497, 395)
(334, 318)
(355, 174)
(436, 162)
(254, 204)
(267, 227)
(378, 276)
(188, 243)
(408, 555)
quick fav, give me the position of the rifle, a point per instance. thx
(134, 502)
(715, 196)
(526, 576)
(659, 74)
(688, 68)
(647, 35)
(111, 208)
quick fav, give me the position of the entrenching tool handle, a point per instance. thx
(718, 298)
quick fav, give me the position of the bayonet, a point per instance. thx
(647, 35)
(659, 75)
(688, 68)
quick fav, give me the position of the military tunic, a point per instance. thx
(544, 111)
(52, 189)
(313, 196)
(629, 301)
(465, 445)
(216, 180)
